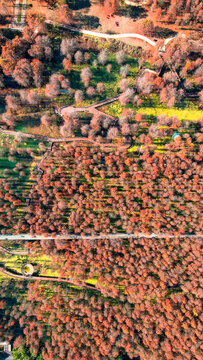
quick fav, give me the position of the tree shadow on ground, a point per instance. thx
(91, 22)
(163, 32)
(132, 12)
(78, 4)
(10, 33)
(4, 356)
(28, 121)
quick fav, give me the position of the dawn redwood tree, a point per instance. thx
(66, 130)
(108, 68)
(100, 87)
(42, 48)
(12, 52)
(163, 96)
(170, 77)
(9, 119)
(23, 73)
(154, 130)
(12, 103)
(86, 57)
(102, 57)
(120, 57)
(95, 63)
(171, 102)
(46, 120)
(95, 123)
(37, 69)
(123, 85)
(106, 123)
(126, 96)
(144, 82)
(91, 91)
(78, 57)
(85, 130)
(124, 70)
(65, 83)
(164, 120)
(68, 46)
(71, 121)
(85, 76)
(23, 96)
(67, 65)
(112, 133)
(52, 90)
(28, 34)
(54, 79)
(125, 130)
(62, 205)
(33, 98)
(36, 51)
(79, 96)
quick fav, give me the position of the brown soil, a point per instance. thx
(52, 131)
(42, 9)
(126, 25)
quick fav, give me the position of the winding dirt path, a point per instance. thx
(106, 36)
(44, 278)
(62, 111)
(2, 249)
(69, 139)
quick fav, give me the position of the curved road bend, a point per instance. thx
(44, 278)
(106, 36)
(2, 249)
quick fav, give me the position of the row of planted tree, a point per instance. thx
(88, 190)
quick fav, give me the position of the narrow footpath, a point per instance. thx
(45, 278)
(25, 252)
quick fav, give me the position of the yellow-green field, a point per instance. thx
(189, 113)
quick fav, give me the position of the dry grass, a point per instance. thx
(51, 131)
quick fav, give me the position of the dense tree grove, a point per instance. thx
(9, 305)
(153, 192)
(133, 170)
(23, 57)
(179, 12)
(179, 72)
(150, 304)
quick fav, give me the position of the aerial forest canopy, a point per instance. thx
(100, 179)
